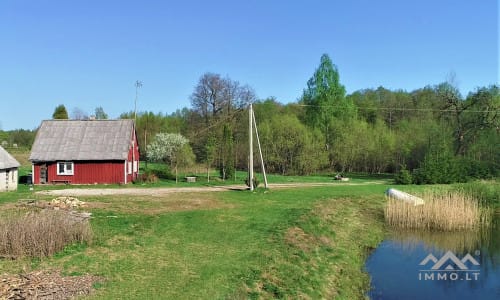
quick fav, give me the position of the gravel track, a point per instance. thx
(169, 190)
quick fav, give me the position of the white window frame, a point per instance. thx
(67, 171)
(129, 167)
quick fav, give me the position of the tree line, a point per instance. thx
(429, 135)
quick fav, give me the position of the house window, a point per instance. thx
(130, 167)
(65, 168)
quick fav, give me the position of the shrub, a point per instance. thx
(442, 169)
(161, 171)
(403, 177)
(227, 171)
(474, 169)
(147, 177)
(255, 182)
(40, 234)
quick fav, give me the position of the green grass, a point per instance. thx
(486, 191)
(288, 243)
(355, 178)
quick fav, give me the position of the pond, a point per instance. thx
(437, 265)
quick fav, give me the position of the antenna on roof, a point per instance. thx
(137, 84)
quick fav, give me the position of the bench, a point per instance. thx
(191, 179)
(65, 181)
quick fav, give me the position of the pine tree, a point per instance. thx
(60, 113)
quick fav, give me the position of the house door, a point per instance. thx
(43, 174)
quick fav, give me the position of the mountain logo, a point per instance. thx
(449, 261)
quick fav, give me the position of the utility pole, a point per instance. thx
(135, 164)
(146, 136)
(260, 150)
(250, 144)
(137, 84)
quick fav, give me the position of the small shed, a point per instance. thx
(8, 171)
(85, 152)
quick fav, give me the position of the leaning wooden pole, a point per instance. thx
(260, 151)
(250, 145)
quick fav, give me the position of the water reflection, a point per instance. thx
(458, 242)
(397, 274)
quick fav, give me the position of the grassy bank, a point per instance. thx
(308, 243)
(486, 191)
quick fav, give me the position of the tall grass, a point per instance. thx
(40, 234)
(441, 211)
(486, 191)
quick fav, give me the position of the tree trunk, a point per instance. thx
(208, 173)
(176, 180)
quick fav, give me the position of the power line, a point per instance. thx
(219, 121)
(404, 109)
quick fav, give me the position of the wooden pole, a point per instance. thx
(133, 151)
(250, 145)
(260, 151)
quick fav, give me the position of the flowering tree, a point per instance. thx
(171, 148)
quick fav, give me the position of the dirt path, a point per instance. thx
(169, 190)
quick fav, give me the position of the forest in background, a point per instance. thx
(429, 135)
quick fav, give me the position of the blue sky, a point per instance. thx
(89, 53)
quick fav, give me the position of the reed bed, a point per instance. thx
(40, 234)
(441, 212)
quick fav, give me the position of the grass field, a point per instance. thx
(296, 243)
(305, 243)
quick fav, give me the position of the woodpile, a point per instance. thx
(66, 203)
(45, 285)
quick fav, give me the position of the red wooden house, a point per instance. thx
(85, 152)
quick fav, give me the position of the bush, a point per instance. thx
(146, 177)
(161, 171)
(40, 234)
(474, 169)
(255, 182)
(403, 177)
(441, 169)
(227, 171)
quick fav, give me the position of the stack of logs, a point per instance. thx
(45, 285)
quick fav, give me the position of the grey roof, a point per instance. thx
(82, 140)
(7, 161)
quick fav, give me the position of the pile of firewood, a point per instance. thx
(45, 285)
(66, 202)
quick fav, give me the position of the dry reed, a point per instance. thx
(442, 212)
(41, 234)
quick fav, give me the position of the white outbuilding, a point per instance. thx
(8, 171)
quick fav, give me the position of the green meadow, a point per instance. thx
(287, 243)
